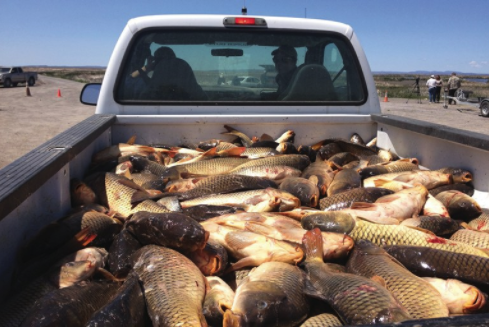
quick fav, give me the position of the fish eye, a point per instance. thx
(261, 304)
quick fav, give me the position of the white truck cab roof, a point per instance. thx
(185, 64)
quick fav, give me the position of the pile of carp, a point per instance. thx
(256, 231)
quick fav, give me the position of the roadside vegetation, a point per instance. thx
(396, 85)
(82, 75)
(403, 85)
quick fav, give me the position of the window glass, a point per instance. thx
(237, 65)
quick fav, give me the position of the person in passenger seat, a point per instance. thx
(285, 60)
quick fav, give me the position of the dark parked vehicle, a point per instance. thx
(484, 106)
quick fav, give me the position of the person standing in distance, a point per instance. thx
(285, 60)
(439, 85)
(453, 86)
(431, 84)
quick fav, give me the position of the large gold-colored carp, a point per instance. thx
(421, 300)
(174, 288)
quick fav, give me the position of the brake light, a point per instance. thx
(244, 21)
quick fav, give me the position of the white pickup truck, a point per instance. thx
(166, 82)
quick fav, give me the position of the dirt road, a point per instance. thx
(27, 122)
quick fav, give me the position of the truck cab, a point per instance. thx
(167, 67)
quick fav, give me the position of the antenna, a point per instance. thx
(244, 11)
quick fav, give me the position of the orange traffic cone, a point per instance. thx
(59, 93)
(385, 97)
(27, 90)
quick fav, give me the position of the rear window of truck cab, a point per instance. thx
(233, 66)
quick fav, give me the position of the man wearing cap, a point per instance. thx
(453, 86)
(431, 84)
(285, 60)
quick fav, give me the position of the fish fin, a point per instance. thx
(210, 153)
(313, 243)
(191, 175)
(131, 140)
(108, 275)
(234, 152)
(421, 229)
(242, 263)
(380, 221)
(380, 280)
(388, 198)
(140, 196)
(259, 228)
(266, 137)
(363, 206)
(380, 182)
(130, 184)
(311, 291)
(313, 179)
(486, 251)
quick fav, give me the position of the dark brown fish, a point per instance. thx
(81, 193)
(345, 199)
(305, 189)
(173, 230)
(440, 226)
(218, 299)
(461, 187)
(459, 175)
(459, 205)
(71, 305)
(344, 180)
(323, 173)
(125, 308)
(340, 159)
(421, 300)
(271, 295)
(148, 181)
(329, 221)
(204, 212)
(212, 260)
(328, 150)
(120, 252)
(356, 299)
(14, 310)
(391, 167)
(429, 262)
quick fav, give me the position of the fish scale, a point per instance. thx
(422, 301)
(174, 288)
(322, 320)
(356, 299)
(401, 235)
(345, 199)
(474, 238)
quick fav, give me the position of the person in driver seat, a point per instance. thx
(285, 60)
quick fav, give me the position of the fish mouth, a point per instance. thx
(232, 319)
(478, 304)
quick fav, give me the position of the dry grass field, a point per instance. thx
(402, 85)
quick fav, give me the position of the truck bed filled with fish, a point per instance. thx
(234, 221)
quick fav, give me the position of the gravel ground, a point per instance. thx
(28, 121)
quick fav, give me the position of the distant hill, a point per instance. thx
(426, 72)
(66, 67)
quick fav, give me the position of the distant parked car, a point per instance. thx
(248, 81)
(11, 76)
(484, 106)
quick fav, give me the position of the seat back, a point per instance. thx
(311, 82)
(174, 79)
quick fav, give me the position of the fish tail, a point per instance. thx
(313, 243)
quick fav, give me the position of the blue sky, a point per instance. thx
(408, 35)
